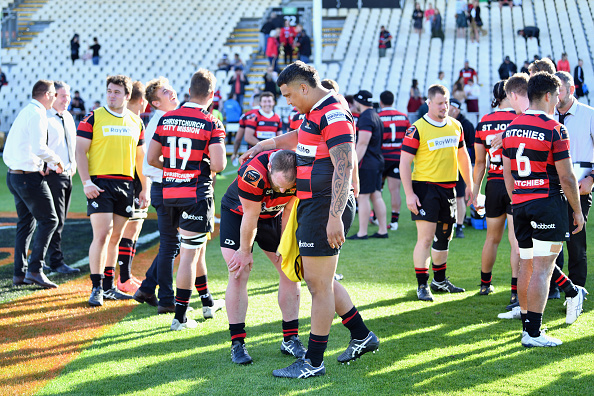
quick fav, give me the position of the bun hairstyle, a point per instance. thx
(498, 93)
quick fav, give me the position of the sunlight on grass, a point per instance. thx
(181, 387)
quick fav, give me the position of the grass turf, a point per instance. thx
(455, 345)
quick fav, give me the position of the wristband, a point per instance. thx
(88, 183)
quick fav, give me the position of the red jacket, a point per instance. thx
(287, 35)
(272, 47)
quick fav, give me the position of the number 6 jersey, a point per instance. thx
(534, 142)
(185, 135)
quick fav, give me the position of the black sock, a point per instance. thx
(533, 322)
(182, 300)
(523, 317)
(439, 272)
(564, 282)
(353, 321)
(237, 331)
(316, 348)
(96, 280)
(202, 287)
(125, 255)
(422, 275)
(290, 328)
(395, 216)
(108, 278)
(486, 278)
(514, 286)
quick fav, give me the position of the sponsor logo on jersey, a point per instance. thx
(188, 216)
(265, 134)
(117, 130)
(410, 132)
(335, 116)
(306, 151)
(306, 244)
(252, 176)
(443, 142)
(274, 208)
(529, 183)
(542, 226)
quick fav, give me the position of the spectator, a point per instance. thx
(272, 49)
(524, 68)
(303, 44)
(544, 64)
(578, 77)
(74, 48)
(287, 37)
(441, 80)
(415, 100)
(237, 62)
(461, 23)
(96, 105)
(385, 41)
(563, 63)
(224, 63)
(507, 69)
(95, 48)
(424, 109)
(468, 73)
(270, 81)
(458, 90)
(77, 107)
(3, 80)
(436, 26)
(238, 81)
(472, 92)
(505, 2)
(429, 13)
(417, 18)
(186, 98)
(265, 33)
(476, 9)
(531, 32)
(474, 30)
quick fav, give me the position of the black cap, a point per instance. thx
(363, 98)
(455, 103)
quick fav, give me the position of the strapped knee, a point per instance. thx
(443, 235)
(193, 242)
(546, 248)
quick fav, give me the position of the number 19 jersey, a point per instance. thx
(534, 142)
(185, 135)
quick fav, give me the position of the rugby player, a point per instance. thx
(325, 147)
(435, 143)
(256, 208)
(109, 149)
(536, 166)
(241, 130)
(191, 142)
(265, 123)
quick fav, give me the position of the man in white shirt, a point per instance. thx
(26, 153)
(163, 98)
(61, 139)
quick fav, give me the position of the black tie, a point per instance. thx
(562, 117)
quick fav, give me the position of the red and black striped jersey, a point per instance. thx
(185, 135)
(356, 121)
(253, 184)
(534, 142)
(327, 125)
(265, 127)
(395, 126)
(245, 116)
(295, 119)
(490, 125)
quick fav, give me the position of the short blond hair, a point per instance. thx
(154, 86)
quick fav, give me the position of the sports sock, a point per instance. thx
(201, 284)
(182, 300)
(316, 348)
(523, 318)
(533, 322)
(125, 256)
(439, 272)
(564, 282)
(96, 280)
(514, 285)
(108, 278)
(353, 321)
(422, 275)
(290, 328)
(237, 331)
(395, 216)
(486, 278)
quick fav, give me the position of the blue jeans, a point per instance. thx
(161, 270)
(34, 206)
(304, 58)
(95, 60)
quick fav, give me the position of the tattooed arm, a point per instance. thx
(342, 159)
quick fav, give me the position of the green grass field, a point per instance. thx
(454, 346)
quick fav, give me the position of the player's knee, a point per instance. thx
(442, 237)
(193, 242)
